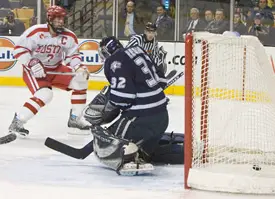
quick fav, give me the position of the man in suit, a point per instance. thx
(195, 23)
(164, 23)
(220, 24)
(208, 16)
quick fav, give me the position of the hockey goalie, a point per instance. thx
(136, 139)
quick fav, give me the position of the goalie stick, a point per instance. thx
(174, 79)
(85, 151)
(8, 138)
(171, 74)
(81, 153)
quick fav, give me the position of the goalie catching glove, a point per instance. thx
(36, 68)
(100, 110)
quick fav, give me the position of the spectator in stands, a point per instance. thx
(67, 4)
(33, 4)
(208, 16)
(5, 4)
(164, 23)
(129, 22)
(219, 25)
(266, 12)
(250, 15)
(11, 26)
(239, 25)
(258, 29)
(195, 23)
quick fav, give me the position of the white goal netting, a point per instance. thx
(233, 115)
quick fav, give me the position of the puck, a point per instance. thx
(256, 167)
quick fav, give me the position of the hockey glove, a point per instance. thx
(36, 68)
(82, 73)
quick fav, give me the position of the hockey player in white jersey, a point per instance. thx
(48, 48)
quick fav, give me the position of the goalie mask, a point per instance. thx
(56, 18)
(108, 46)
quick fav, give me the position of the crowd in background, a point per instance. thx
(251, 17)
(257, 20)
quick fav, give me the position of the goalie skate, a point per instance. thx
(133, 169)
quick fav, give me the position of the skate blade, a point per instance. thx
(135, 172)
(19, 135)
(76, 131)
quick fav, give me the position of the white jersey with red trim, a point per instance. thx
(37, 42)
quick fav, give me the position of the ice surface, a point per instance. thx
(29, 170)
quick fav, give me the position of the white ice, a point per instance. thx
(29, 170)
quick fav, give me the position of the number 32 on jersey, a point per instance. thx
(120, 82)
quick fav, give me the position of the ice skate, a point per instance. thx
(18, 128)
(78, 125)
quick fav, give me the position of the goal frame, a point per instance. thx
(204, 94)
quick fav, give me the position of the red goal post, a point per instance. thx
(229, 114)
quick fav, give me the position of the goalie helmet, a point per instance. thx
(108, 46)
(54, 12)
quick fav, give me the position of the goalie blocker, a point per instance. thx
(169, 149)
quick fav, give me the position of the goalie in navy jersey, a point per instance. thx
(147, 41)
(136, 93)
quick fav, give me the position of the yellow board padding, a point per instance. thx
(234, 94)
(217, 93)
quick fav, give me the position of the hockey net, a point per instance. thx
(229, 114)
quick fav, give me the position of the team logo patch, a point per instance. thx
(90, 57)
(115, 65)
(7, 60)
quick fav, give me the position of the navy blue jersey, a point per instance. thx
(136, 88)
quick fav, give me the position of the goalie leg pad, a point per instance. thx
(118, 154)
(170, 149)
(110, 150)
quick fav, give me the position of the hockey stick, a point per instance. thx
(171, 74)
(8, 138)
(60, 73)
(81, 153)
(172, 81)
